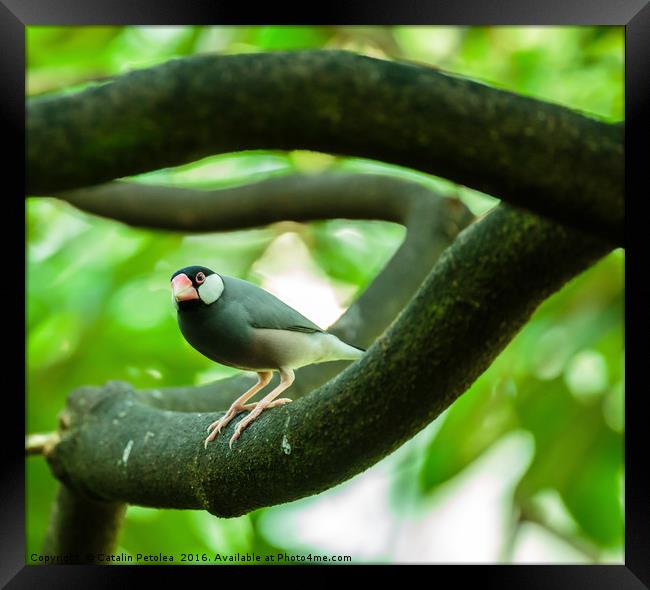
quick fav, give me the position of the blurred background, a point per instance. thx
(527, 466)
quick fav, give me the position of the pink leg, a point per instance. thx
(286, 379)
(263, 379)
(274, 404)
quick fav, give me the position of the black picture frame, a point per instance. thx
(15, 15)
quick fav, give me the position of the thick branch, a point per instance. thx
(286, 198)
(432, 223)
(479, 294)
(528, 152)
(81, 528)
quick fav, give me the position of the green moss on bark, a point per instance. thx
(528, 152)
(479, 294)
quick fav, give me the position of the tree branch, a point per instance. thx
(527, 152)
(39, 444)
(81, 528)
(479, 294)
(477, 297)
(332, 101)
(297, 197)
(432, 223)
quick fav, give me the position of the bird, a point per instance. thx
(238, 324)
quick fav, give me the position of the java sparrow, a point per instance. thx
(238, 324)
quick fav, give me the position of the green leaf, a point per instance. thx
(593, 494)
(575, 454)
(473, 424)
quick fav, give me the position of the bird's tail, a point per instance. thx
(335, 349)
(349, 352)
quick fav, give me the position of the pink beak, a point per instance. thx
(183, 289)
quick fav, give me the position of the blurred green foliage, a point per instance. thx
(98, 301)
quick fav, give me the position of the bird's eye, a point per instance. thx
(200, 277)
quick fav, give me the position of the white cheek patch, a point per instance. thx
(174, 302)
(211, 289)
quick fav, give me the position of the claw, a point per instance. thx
(218, 425)
(240, 427)
(210, 438)
(286, 379)
(238, 406)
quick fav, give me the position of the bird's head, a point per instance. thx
(195, 286)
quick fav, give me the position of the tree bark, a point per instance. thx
(528, 152)
(80, 529)
(121, 446)
(477, 297)
(432, 223)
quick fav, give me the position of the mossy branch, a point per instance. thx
(528, 152)
(118, 449)
(478, 295)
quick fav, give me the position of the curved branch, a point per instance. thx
(528, 152)
(296, 197)
(478, 295)
(432, 223)
(80, 528)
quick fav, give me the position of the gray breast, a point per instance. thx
(220, 333)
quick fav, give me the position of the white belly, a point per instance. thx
(297, 349)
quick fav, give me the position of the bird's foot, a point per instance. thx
(274, 404)
(259, 408)
(218, 425)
